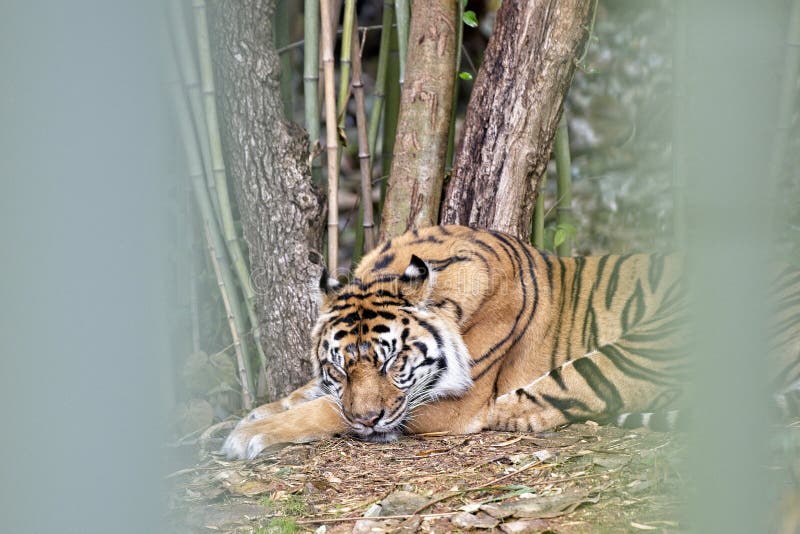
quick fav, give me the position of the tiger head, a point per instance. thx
(381, 349)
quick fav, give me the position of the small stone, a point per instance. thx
(470, 521)
(373, 511)
(402, 503)
(371, 526)
(529, 525)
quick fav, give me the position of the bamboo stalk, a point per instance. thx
(311, 81)
(364, 160)
(564, 183)
(451, 137)
(331, 136)
(281, 38)
(391, 112)
(238, 346)
(403, 14)
(202, 197)
(211, 127)
(194, 312)
(191, 83)
(380, 76)
(538, 215)
(336, 9)
(345, 61)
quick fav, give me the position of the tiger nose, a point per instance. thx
(368, 419)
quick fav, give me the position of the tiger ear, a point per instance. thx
(328, 288)
(417, 281)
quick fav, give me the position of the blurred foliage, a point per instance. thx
(619, 113)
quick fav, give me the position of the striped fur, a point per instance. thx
(459, 330)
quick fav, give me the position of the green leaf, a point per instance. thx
(464, 3)
(465, 75)
(471, 19)
(559, 237)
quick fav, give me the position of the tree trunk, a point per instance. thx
(267, 158)
(414, 188)
(513, 113)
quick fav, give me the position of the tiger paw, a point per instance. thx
(250, 438)
(317, 419)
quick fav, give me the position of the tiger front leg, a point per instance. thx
(310, 421)
(303, 394)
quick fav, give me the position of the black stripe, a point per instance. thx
(567, 406)
(555, 374)
(577, 279)
(655, 270)
(546, 257)
(602, 386)
(614, 279)
(630, 368)
(562, 295)
(488, 248)
(634, 420)
(432, 330)
(383, 262)
(633, 311)
(530, 396)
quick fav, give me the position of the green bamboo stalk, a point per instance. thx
(311, 81)
(211, 128)
(380, 76)
(538, 215)
(392, 109)
(345, 60)
(367, 225)
(203, 199)
(451, 137)
(403, 14)
(238, 346)
(281, 38)
(331, 136)
(191, 84)
(564, 182)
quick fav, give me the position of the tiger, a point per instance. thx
(458, 330)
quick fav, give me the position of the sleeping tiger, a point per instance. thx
(460, 330)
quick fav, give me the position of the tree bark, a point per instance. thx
(281, 211)
(414, 189)
(513, 113)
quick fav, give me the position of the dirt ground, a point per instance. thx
(583, 478)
